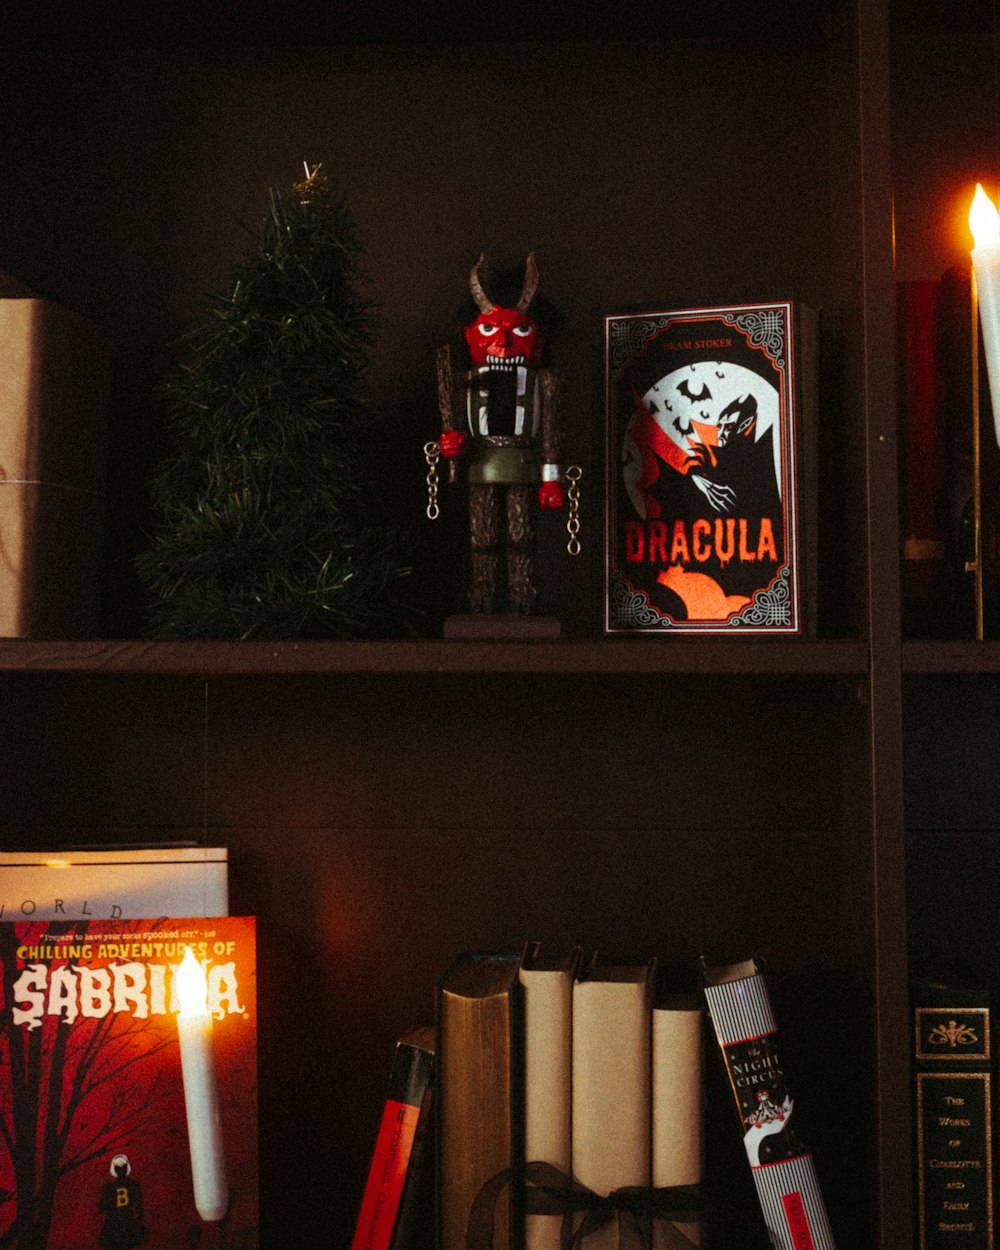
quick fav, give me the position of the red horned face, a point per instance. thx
(504, 337)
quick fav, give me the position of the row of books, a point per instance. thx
(567, 1099)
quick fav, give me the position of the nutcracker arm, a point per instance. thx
(551, 418)
(450, 445)
(550, 492)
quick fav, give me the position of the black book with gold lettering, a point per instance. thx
(708, 518)
(952, 1051)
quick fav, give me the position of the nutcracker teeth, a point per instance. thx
(507, 364)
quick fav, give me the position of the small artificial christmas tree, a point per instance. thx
(266, 523)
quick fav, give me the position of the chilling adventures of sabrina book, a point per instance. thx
(128, 1116)
(703, 531)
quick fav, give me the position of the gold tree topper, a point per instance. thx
(315, 186)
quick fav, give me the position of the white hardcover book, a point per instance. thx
(124, 883)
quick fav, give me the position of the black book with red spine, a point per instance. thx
(396, 1209)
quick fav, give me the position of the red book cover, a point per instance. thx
(125, 1121)
(385, 1221)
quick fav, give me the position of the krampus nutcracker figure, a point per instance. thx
(511, 442)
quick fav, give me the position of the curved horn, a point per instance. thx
(483, 303)
(530, 284)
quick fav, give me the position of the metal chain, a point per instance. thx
(432, 451)
(573, 475)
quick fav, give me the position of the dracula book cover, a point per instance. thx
(702, 507)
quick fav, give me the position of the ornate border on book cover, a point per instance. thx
(631, 608)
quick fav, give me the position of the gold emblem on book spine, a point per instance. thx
(952, 1034)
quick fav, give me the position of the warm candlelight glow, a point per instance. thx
(192, 986)
(984, 220)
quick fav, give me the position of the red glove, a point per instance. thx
(452, 442)
(550, 495)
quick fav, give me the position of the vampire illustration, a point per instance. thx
(701, 468)
(500, 420)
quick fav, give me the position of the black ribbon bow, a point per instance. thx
(549, 1191)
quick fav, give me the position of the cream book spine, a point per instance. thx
(678, 1075)
(612, 1009)
(548, 1064)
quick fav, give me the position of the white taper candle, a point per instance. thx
(201, 1091)
(984, 222)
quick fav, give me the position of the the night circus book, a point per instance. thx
(782, 1167)
(702, 512)
(128, 1085)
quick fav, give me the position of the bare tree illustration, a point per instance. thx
(66, 1100)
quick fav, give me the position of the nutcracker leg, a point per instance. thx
(484, 538)
(521, 592)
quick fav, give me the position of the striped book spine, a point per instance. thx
(783, 1169)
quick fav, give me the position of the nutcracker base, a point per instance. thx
(501, 625)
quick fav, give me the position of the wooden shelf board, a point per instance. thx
(320, 23)
(647, 655)
(951, 657)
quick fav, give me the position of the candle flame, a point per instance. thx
(192, 986)
(984, 220)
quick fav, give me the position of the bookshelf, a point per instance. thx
(388, 804)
